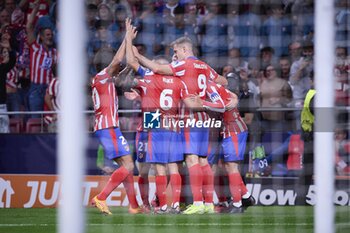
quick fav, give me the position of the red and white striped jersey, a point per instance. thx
(53, 91)
(162, 93)
(195, 74)
(41, 62)
(12, 78)
(233, 122)
(105, 99)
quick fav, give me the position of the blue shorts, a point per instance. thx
(113, 142)
(164, 146)
(214, 148)
(141, 142)
(176, 148)
(233, 147)
(196, 141)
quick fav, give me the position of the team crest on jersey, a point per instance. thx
(151, 120)
(47, 63)
(214, 96)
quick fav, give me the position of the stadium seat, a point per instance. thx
(16, 125)
(34, 125)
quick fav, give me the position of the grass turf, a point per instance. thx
(256, 219)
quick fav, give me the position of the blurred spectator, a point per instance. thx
(342, 23)
(17, 30)
(342, 83)
(10, 6)
(300, 74)
(91, 17)
(42, 57)
(177, 28)
(52, 103)
(235, 59)
(303, 19)
(284, 67)
(252, 85)
(274, 92)
(149, 25)
(244, 30)
(103, 38)
(294, 49)
(7, 62)
(5, 19)
(267, 56)
(13, 100)
(118, 26)
(214, 35)
(104, 13)
(276, 31)
(342, 154)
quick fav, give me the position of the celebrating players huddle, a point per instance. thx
(177, 102)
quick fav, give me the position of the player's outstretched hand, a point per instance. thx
(130, 29)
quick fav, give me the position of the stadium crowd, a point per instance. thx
(264, 48)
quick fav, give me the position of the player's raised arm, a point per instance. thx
(129, 36)
(114, 66)
(154, 66)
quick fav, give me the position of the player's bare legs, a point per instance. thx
(123, 174)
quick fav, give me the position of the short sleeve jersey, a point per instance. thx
(195, 74)
(233, 122)
(105, 100)
(163, 93)
(41, 62)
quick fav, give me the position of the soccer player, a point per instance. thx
(107, 130)
(235, 133)
(195, 74)
(161, 97)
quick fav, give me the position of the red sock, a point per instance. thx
(219, 187)
(144, 189)
(208, 183)
(130, 190)
(114, 181)
(244, 189)
(175, 182)
(196, 182)
(161, 182)
(235, 186)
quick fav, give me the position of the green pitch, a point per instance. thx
(256, 219)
